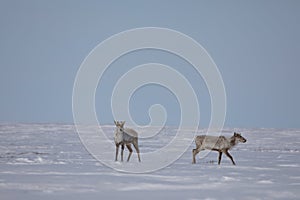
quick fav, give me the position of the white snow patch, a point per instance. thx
(289, 165)
(227, 178)
(48, 161)
(265, 182)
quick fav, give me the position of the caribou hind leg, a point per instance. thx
(135, 144)
(130, 151)
(195, 152)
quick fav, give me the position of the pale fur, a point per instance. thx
(221, 144)
(125, 136)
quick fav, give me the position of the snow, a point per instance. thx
(48, 161)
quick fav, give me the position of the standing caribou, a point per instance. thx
(125, 136)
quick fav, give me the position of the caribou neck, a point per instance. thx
(232, 141)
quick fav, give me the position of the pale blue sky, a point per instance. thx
(255, 45)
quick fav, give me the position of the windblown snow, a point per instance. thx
(48, 161)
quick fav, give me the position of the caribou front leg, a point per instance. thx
(117, 151)
(229, 156)
(122, 152)
(220, 157)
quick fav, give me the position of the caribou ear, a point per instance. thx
(123, 122)
(235, 134)
(115, 122)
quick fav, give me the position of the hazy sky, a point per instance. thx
(255, 44)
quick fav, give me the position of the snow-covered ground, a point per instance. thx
(48, 161)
